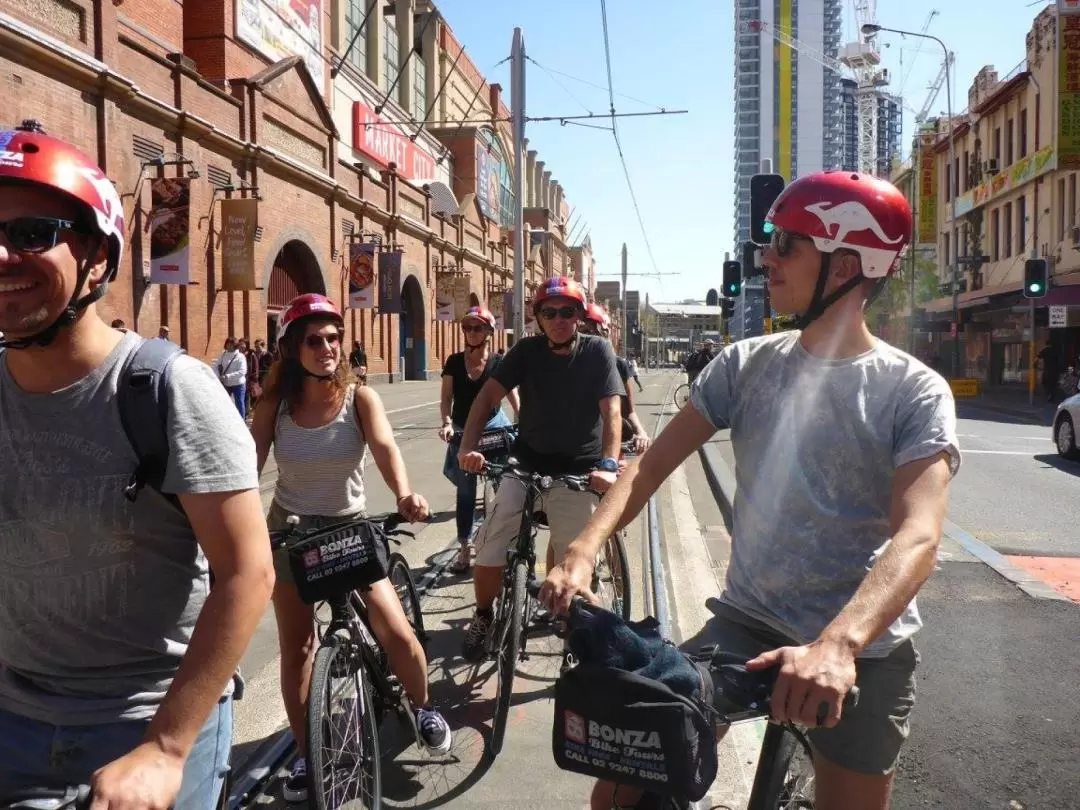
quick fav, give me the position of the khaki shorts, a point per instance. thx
(277, 520)
(567, 513)
(869, 737)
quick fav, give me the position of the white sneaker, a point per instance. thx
(295, 786)
(434, 730)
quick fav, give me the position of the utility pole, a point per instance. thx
(622, 317)
(517, 97)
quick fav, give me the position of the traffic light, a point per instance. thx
(711, 298)
(727, 308)
(1036, 278)
(749, 259)
(732, 279)
(764, 189)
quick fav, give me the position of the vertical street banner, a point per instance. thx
(390, 283)
(462, 292)
(169, 224)
(928, 194)
(444, 297)
(1069, 92)
(239, 218)
(362, 275)
(495, 307)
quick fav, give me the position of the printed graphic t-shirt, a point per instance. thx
(817, 443)
(99, 595)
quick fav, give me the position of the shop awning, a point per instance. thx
(443, 200)
(1060, 297)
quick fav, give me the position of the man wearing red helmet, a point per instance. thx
(569, 422)
(845, 448)
(116, 659)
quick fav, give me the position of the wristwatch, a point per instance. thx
(610, 465)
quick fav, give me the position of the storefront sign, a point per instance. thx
(494, 191)
(1069, 94)
(1023, 171)
(390, 283)
(495, 306)
(282, 28)
(1068, 7)
(1059, 317)
(451, 296)
(239, 218)
(928, 195)
(385, 144)
(964, 388)
(170, 230)
(362, 266)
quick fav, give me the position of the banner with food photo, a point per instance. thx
(390, 283)
(169, 225)
(239, 219)
(362, 275)
(444, 297)
(462, 296)
(495, 307)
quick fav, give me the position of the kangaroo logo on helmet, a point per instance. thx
(849, 217)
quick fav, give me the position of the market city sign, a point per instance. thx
(384, 143)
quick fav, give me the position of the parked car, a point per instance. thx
(1065, 421)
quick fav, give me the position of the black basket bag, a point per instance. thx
(337, 560)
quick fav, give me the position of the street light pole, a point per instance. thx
(953, 182)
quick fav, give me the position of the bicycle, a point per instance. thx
(494, 443)
(784, 776)
(349, 715)
(681, 396)
(74, 797)
(506, 641)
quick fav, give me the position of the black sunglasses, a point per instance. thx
(566, 313)
(36, 234)
(317, 341)
(783, 242)
(476, 327)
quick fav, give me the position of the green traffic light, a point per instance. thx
(768, 227)
(1034, 286)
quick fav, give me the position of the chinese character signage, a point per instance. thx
(390, 283)
(1069, 94)
(279, 29)
(239, 219)
(170, 231)
(928, 195)
(362, 275)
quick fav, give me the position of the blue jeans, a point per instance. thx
(239, 397)
(36, 754)
(465, 511)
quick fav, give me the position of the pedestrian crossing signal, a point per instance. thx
(732, 279)
(764, 189)
(1036, 278)
(727, 308)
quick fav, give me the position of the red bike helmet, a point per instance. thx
(480, 314)
(559, 287)
(850, 211)
(305, 306)
(29, 156)
(598, 315)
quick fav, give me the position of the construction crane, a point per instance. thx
(911, 62)
(935, 88)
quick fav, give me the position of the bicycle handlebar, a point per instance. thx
(388, 527)
(75, 797)
(576, 482)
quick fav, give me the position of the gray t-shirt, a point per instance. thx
(816, 446)
(98, 595)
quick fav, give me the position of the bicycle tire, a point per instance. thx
(509, 651)
(320, 720)
(681, 395)
(400, 575)
(778, 750)
(617, 563)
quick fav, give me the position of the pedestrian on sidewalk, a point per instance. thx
(231, 368)
(1051, 371)
(358, 360)
(463, 375)
(116, 656)
(320, 423)
(859, 440)
(631, 364)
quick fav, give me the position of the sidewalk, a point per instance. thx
(1012, 402)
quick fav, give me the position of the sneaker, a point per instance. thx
(295, 787)
(463, 561)
(434, 730)
(476, 636)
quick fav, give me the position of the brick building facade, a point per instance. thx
(141, 85)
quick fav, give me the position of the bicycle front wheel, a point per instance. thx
(682, 395)
(611, 577)
(785, 772)
(401, 578)
(509, 623)
(343, 742)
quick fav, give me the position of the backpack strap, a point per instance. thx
(144, 413)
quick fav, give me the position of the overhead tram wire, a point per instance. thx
(592, 84)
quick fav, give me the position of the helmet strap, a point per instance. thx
(70, 313)
(559, 346)
(821, 302)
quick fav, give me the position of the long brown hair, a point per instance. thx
(285, 380)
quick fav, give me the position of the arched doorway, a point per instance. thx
(295, 270)
(413, 330)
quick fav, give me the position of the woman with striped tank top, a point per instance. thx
(321, 423)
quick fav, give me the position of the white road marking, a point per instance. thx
(1003, 438)
(414, 407)
(995, 452)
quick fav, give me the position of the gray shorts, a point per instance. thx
(869, 737)
(277, 520)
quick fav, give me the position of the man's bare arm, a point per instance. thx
(611, 418)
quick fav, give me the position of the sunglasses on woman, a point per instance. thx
(783, 242)
(566, 313)
(317, 341)
(476, 327)
(36, 234)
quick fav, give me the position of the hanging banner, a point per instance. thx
(169, 224)
(239, 218)
(362, 275)
(495, 307)
(462, 295)
(444, 297)
(390, 283)
(1069, 94)
(928, 195)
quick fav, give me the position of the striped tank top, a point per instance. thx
(321, 470)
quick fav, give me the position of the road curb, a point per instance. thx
(721, 480)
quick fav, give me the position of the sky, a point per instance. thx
(681, 167)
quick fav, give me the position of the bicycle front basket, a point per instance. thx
(496, 442)
(334, 562)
